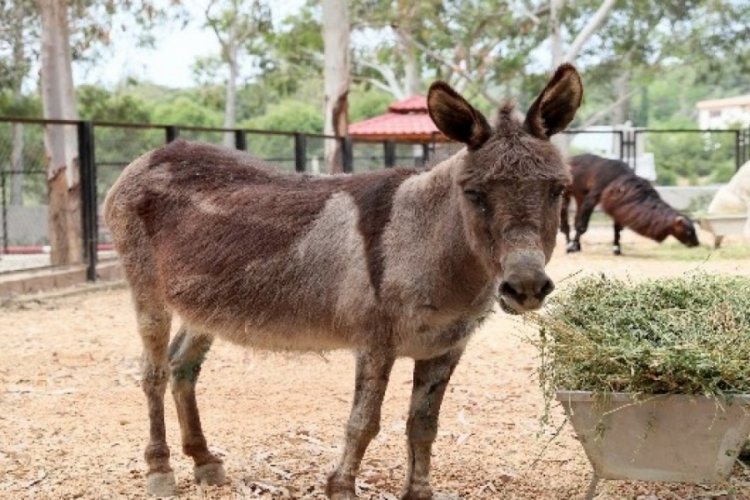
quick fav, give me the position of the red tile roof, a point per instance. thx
(406, 120)
(413, 103)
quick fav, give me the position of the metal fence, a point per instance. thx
(105, 148)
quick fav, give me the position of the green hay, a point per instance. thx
(687, 335)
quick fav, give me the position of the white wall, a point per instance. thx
(724, 117)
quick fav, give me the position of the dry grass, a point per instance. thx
(687, 334)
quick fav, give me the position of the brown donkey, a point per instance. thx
(392, 263)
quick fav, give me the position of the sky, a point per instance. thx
(169, 62)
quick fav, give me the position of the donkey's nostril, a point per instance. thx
(507, 289)
(546, 288)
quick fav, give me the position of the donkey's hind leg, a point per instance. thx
(583, 215)
(617, 249)
(431, 378)
(186, 355)
(564, 216)
(373, 371)
(153, 325)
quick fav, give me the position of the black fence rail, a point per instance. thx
(105, 148)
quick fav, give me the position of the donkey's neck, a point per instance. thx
(427, 215)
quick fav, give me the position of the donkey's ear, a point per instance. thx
(556, 106)
(455, 117)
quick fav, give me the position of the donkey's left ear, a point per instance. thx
(556, 106)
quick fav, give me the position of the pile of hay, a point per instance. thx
(688, 335)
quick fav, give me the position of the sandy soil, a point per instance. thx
(73, 422)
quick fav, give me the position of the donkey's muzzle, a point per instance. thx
(525, 284)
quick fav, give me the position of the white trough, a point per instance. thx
(675, 438)
(723, 225)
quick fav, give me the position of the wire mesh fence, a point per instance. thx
(24, 214)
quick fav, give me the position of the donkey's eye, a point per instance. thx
(557, 191)
(477, 198)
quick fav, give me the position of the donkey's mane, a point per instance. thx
(632, 202)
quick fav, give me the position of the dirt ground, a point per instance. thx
(73, 422)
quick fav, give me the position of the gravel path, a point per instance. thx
(73, 422)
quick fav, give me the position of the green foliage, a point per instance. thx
(365, 104)
(184, 110)
(687, 335)
(288, 116)
(96, 103)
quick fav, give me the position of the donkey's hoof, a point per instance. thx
(617, 251)
(573, 247)
(417, 494)
(338, 488)
(426, 493)
(161, 484)
(210, 474)
(342, 495)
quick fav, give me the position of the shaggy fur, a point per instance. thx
(392, 263)
(630, 200)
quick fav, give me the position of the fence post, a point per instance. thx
(348, 154)
(300, 152)
(240, 140)
(5, 213)
(389, 152)
(425, 154)
(172, 131)
(86, 162)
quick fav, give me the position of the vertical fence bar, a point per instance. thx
(172, 132)
(5, 213)
(300, 152)
(240, 140)
(622, 144)
(88, 195)
(347, 154)
(425, 154)
(389, 153)
(737, 150)
(634, 147)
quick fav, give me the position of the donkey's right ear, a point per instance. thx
(455, 117)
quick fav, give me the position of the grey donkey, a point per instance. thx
(399, 262)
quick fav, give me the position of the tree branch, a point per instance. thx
(392, 85)
(212, 22)
(589, 29)
(591, 120)
(457, 69)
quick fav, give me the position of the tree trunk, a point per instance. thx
(16, 165)
(336, 86)
(58, 102)
(411, 64)
(555, 37)
(620, 111)
(230, 103)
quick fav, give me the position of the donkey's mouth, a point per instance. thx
(506, 307)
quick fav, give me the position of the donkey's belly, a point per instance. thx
(290, 337)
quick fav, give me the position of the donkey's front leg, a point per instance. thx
(373, 370)
(431, 377)
(186, 354)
